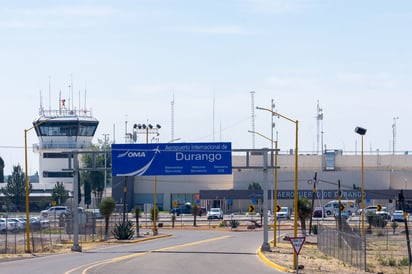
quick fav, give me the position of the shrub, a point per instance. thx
(233, 223)
(315, 229)
(123, 231)
(404, 261)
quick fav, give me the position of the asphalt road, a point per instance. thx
(186, 251)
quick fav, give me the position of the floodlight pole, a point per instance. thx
(149, 129)
(296, 193)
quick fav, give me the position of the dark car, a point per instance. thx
(175, 210)
(317, 212)
(184, 209)
(202, 211)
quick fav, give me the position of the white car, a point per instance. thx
(397, 216)
(284, 213)
(54, 211)
(20, 223)
(215, 213)
(7, 224)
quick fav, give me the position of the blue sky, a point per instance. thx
(133, 57)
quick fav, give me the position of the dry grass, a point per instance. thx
(384, 255)
(312, 260)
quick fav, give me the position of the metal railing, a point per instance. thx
(345, 246)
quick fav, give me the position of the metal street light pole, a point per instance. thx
(296, 193)
(265, 245)
(362, 131)
(28, 248)
(27, 189)
(275, 183)
(149, 129)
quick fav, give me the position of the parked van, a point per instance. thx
(332, 207)
(54, 211)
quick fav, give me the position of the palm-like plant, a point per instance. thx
(195, 212)
(304, 211)
(106, 208)
(137, 211)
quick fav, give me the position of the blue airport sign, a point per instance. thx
(171, 159)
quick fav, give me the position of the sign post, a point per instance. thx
(297, 243)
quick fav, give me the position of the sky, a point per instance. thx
(132, 59)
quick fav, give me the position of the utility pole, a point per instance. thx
(405, 219)
(105, 163)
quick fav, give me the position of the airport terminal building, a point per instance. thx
(385, 175)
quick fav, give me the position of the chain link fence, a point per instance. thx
(385, 246)
(345, 246)
(48, 234)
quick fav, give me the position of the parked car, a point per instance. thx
(202, 211)
(95, 212)
(384, 214)
(38, 223)
(184, 209)
(397, 216)
(54, 211)
(283, 213)
(8, 224)
(343, 214)
(20, 223)
(215, 213)
(318, 212)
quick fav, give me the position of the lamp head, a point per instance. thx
(360, 130)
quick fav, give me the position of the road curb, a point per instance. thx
(270, 263)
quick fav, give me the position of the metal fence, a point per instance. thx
(345, 246)
(48, 235)
(385, 246)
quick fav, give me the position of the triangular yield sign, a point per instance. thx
(297, 243)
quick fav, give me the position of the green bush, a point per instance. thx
(392, 262)
(315, 229)
(123, 231)
(404, 261)
(233, 223)
(376, 220)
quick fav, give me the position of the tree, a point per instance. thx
(304, 211)
(59, 193)
(97, 160)
(1, 170)
(87, 193)
(152, 213)
(15, 190)
(195, 212)
(106, 208)
(254, 186)
(137, 211)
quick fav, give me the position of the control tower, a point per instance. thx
(61, 131)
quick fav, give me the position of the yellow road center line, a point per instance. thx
(126, 257)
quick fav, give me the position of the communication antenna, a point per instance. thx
(213, 124)
(173, 117)
(252, 93)
(319, 118)
(394, 135)
(49, 93)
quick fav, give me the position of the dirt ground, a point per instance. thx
(314, 261)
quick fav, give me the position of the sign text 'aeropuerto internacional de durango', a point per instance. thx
(171, 159)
